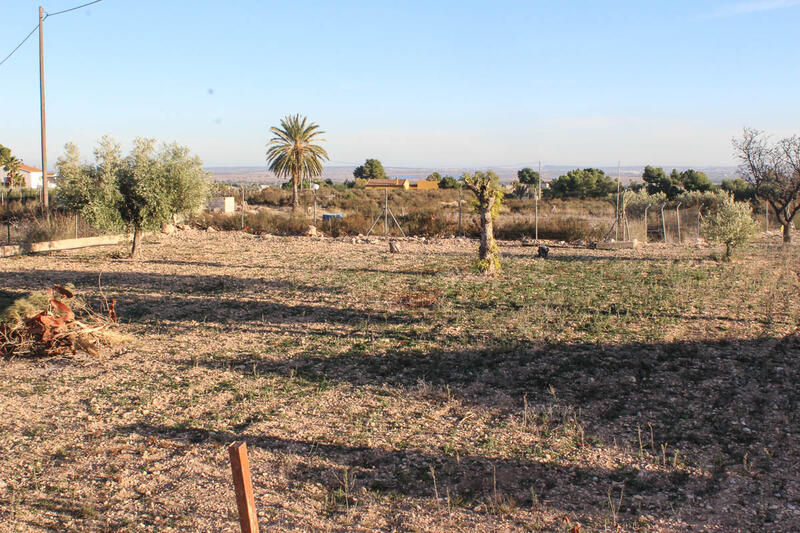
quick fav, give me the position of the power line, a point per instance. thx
(20, 44)
(37, 26)
(72, 8)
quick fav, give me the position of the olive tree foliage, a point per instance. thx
(141, 191)
(187, 182)
(731, 224)
(774, 172)
(143, 186)
(91, 189)
(488, 200)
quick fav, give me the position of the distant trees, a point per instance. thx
(585, 183)
(141, 191)
(656, 181)
(676, 183)
(489, 198)
(292, 151)
(739, 188)
(449, 182)
(434, 176)
(694, 180)
(372, 169)
(731, 224)
(774, 172)
(529, 177)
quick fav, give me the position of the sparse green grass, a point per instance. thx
(627, 390)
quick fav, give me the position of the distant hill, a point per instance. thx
(507, 173)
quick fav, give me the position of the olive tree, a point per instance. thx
(141, 191)
(774, 172)
(186, 181)
(488, 199)
(731, 224)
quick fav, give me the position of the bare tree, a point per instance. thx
(774, 171)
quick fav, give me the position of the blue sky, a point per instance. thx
(420, 84)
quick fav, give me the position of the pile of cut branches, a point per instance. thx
(55, 323)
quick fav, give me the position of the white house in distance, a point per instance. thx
(32, 177)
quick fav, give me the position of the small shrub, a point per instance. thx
(732, 225)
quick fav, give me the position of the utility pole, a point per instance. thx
(45, 195)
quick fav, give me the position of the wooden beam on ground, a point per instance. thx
(245, 501)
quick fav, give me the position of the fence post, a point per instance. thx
(242, 207)
(663, 223)
(678, 217)
(460, 193)
(245, 501)
(699, 215)
(645, 223)
(76, 225)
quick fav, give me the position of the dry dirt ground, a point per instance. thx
(641, 390)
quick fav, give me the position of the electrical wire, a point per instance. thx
(37, 26)
(73, 8)
(20, 44)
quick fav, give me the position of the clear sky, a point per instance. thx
(414, 83)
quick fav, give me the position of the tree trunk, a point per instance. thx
(487, 251)
(295, 179)
(787, 232)
(137, 235)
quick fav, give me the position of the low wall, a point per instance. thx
(64, 244)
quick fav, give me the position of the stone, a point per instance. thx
(311, 231)
(542, 252)
(394, 247)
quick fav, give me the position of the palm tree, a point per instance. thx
(11, 165)
(292, 151)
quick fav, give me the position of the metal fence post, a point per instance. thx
(663, 223)
(678, 218)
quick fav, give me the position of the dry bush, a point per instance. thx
(567, 228)
(260, 222)
(60, 226)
